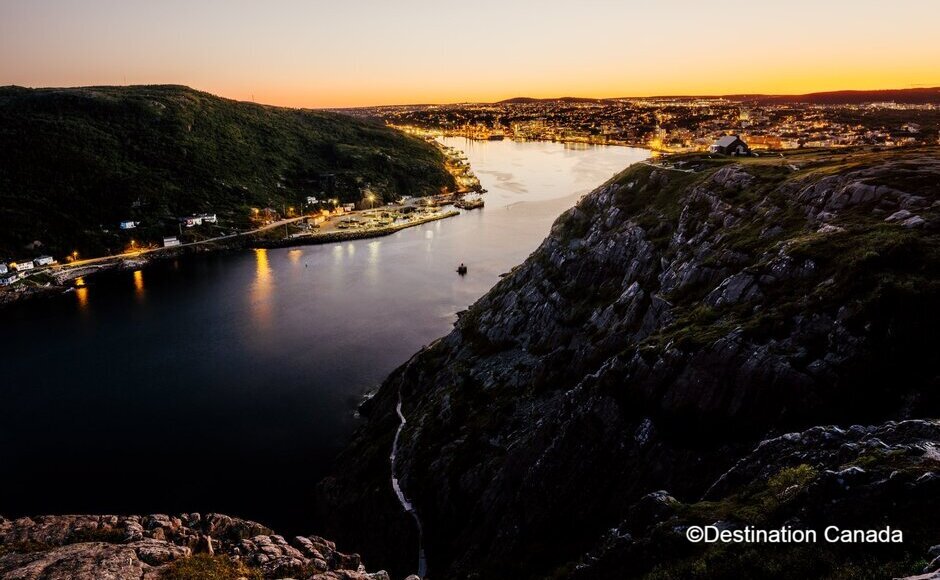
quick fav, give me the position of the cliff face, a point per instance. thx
(671, 322)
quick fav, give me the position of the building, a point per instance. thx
(349, 206)
(170, 242)
(22, 265)
(312, 200)
(8, 279)
(128, 225)
(730, 145)
(43, 261)
(208, 218)
(191, 221)
(4, 269)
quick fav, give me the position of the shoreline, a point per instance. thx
(349, 235)
(63, 275)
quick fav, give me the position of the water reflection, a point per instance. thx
(374, 252)
(247, 358)
(294, 255)
(373, 262)
(81, 293)
(261, 290)
(139, 283)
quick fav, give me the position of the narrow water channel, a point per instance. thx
(228, 382)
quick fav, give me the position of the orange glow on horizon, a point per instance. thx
(314, 53)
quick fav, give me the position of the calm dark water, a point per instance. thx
(228, 383)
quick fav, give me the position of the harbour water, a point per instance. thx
(228, 382)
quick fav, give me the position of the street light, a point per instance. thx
(371, 199)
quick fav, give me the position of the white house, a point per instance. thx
(349, 206)
(128, 225)
(208, 218)
(7, 279)
(312, 200)
(4, 269)
(170, 242)
(43, 261)
(730, 145)
(191, 221)
(22, 266)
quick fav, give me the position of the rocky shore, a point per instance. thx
(162, 546)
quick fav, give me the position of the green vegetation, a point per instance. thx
(76, 162)
(790, 480)
(758, 505)
(206, 567)
(767, 505)
(735, 561)
(869, 263)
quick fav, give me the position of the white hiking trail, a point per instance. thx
(422, 561)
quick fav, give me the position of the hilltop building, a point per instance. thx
(730, 145)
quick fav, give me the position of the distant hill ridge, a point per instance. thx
(906, 96)
(79, 160)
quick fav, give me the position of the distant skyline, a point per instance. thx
(355, 53)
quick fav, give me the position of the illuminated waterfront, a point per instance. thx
(242, 371)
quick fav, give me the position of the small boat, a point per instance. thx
(462, 269)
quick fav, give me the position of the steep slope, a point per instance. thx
(77, 161)
(674, 319)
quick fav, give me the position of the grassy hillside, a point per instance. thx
(77, 161)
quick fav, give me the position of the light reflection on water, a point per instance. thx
(261, 290)
(241, 371)
(139, 283)
(81, 293)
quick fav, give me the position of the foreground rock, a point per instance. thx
(160, 546)
(669, 324)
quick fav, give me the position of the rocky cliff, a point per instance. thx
(190, 546)
(747, 342)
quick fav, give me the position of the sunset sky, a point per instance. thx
(314, 53)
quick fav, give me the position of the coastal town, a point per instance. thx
(675, 124)
(316, 219)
